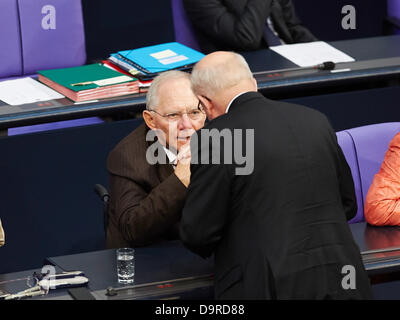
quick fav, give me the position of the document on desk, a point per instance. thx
(311, 53)
(26, 90)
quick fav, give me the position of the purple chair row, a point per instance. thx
(364, 149)
(37, 35)
(49, 34)
(184, 31)
(40, 34)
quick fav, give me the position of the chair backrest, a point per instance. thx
(10, 52)
(365, 148)
(40, 34)
(346, 143)
(52, 34)
(184, 32)
(104, 196)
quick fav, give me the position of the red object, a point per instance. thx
(115, 67)
(115, 90)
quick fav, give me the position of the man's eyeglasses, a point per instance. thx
(194, 114)
(200, 106)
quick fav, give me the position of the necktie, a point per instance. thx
(270, 36)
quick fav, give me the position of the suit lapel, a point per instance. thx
(164, 170)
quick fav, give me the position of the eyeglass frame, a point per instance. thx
(199, 108)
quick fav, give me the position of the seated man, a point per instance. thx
(2, 236)
(240, 25)
(147, 198)
(382, 204)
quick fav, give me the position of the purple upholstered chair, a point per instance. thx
(346, 143)
(52, 34)
(371, 143)
(184, 32)
(10, 41)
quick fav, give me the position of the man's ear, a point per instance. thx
(207, 105)
(255, 84)
(149, 119)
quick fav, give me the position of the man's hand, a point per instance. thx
(182, 170)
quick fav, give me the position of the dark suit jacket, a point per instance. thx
(238, 25)
(280, 232)
(145, 200)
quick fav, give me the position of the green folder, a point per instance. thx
(73, 78)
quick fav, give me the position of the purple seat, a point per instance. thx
(52, 34)
(371, 143)
(184, 32)
(346, 143)
(393, 11)
(10, 41)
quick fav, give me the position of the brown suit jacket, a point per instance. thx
(145, 200)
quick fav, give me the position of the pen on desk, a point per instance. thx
(81, 83)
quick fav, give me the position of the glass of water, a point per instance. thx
(126, 265)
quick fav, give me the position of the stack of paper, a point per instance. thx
(89, 82)
(26, 90)
(147, 62)
(144, 85)
(311, 53)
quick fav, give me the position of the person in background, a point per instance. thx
(382, 204)
(279, 229)
(242, 25)
(147, 195)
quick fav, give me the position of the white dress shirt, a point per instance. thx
(229, 105)
(171, 157)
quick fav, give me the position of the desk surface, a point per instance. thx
(167, 263)
(378, 48)
(379, 247)
(19, 281)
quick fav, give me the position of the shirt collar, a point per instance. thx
(171, 156)
(229, 105)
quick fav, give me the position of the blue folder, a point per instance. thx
(162, 57)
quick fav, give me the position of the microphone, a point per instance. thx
(328, 65)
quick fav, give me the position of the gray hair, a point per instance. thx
(152, 99)
(230, 72)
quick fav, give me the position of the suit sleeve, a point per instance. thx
(242, 32)
(142, 215)
(382, 204)
(206, 208)
(297, 30)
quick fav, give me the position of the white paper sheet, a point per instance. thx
(26, 90)
(311, 53)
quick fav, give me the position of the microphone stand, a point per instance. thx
(328, 65)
